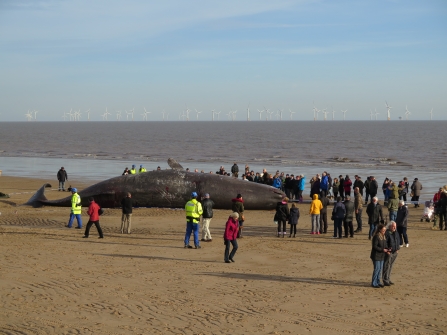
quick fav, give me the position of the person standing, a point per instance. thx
(126, 171)
(288, 186)
(301, 186)
(374, 211)
(347, 186)
(335, 188)
(193, 210)
(126, 205)
(416, 188)
(238, 207)
(293, 219)
(76, 209)
(315, 207)
(341, 187)
(133, 170)
(349, 216)
(207, 207)
(282, 215)
(392, 241)
(142, 169)
(324, 184)
(62, 177)
(406, 185)
(93, 212)
(378, 251)
(235, 170)
(393, 205)
(441, 210)
(373, 187)
(358, 207)
(338, 214)
(230, 237)
(366, 184)
(358, 183)
(323, 214)
(401, 222)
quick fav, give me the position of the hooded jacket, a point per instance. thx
(315, 206)
(238, 207)
(294, 215)
(231, 229)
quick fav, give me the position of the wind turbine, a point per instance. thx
(88, 114)
(118, 115)
(78, 115)
(325, 114)
(212, 111)
(233, 114)
(407, 112)
(279, 113)
(64, 116)
(218, 115)
(375, 110)
(163, 114)
(35, 115)
(132, 111)
(197, 114)
(333, 113)
(291, 113)
(344, 114)
(431, 114)
(267, 111)
(29, 116)
(389, 111)
(127, 115)
(248, 112)
(317, 111)
(371, 114)
(260, 115)
(146, 113)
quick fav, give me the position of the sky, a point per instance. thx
(65, 55)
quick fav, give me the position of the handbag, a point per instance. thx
(332, 217)
(100, 211)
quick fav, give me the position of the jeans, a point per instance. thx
(315, 223)
(78, 219)
(402, 234)
(62, 185)
(372, 228)
(206, 235)
(98, 227)
(337, 227)
(393, 216)
(388, 266)
(378, 265)
(192, 227)
(358, 218)
(228, 255)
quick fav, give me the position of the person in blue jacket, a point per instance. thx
(324, 184)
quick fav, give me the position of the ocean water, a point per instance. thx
(100, 150)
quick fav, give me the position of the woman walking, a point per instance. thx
(378, 251)
(282, 215)
(293, 220)
(230, 237)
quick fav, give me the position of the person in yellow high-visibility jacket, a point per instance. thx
(133, 170)
(193, 210)
(76, 209)
(142, 169)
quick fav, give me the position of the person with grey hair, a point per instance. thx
(401, 221)
(374, 211)
(230, 237)
(126, 205)
(207, 207)
(392, 242)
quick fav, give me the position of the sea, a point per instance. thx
(95, 151)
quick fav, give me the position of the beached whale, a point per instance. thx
(171, 189)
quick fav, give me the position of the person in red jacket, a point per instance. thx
(347, 185)
(230, 237)
(93, 212)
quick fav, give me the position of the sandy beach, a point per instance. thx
(52, 281)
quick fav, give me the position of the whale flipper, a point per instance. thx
(174, 165)
(38, 197)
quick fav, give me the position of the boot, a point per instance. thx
(239, 234)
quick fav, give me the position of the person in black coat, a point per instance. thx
(441, 209)
(392, 241)
(126, 205)
(323, 214)
(378, 251)
(62, 178)
(293, 219)
(282, 215)
(374, 211)
(373, 187)
(401, 221)
(341, 187)
(349, 216)
(207, 215)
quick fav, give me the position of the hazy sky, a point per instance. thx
(223, 55)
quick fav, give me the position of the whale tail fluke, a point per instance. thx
(38, 197)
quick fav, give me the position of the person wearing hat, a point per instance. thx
(142, 169)
(416, 188)
(193, 210)
(76, 209)
(207, 206)
(133, 170)
(62, 177)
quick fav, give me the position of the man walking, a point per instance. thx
(392, 241)
(349, 216)
(374, 211)
(207, 206)
(323, 214)
(358, 207)
(126, 217)
(62, 177)
(373, 187)
(93, 212)
(235, 170)
(76, 209)
(416, 188)
(193, 210)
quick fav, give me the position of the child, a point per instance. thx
(293, 220)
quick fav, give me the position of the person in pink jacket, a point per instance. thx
(230, 237)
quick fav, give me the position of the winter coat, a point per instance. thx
(378, 244)
(358, 201)
(359, 183)
(416, 187)
(374, 213)
(282, 211)
(325, 202)
(126, 204)
(373, 187)
(207, 207)
(234, 169)
(339, 210)
(336, 187)
(277, 182)
(402, 216)
(315, 189)
(238, 207)
(393, 205)
(341, 186)
(347, 185)
(392, 240)
(324, 183)
(294, 215)
(394, 192)
(93, 211)
(302, 184)
(231, 228)
(62, 175)
(349, 206)
(315, 206)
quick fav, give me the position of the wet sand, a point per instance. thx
(55, 282)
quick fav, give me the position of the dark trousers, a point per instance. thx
(283, 223)
(229, 255)
(358, 218)
(323, 222)
(323, 193)
(372, 196)
(89, 225)
(289, 193)
(402, 234)
(388, 266)
(415, 199)
(335, 194)
(347, 193)
(442, 219)
(337, 227)
(293, 229)
(366, 196)
(349, 228)
(342, 194)
(299, 195)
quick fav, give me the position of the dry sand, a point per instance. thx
(52, 281)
